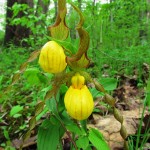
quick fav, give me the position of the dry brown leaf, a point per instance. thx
(110, 127)
(17, 143)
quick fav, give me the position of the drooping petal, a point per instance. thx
(80, 59)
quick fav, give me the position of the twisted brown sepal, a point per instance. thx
(59, 29)
(98, 86)
(123, 132)
(109, 100)
(80, 59)
(118, 115)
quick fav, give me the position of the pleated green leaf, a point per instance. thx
(48, 136)
(82, 142)
(97, 139)
(74, 128)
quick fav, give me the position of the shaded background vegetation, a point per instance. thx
(119, 30)
(119, 45)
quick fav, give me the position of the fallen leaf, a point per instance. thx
(110, 127)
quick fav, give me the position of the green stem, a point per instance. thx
(68, 133)
(62, 124)
(84, 125)
(146, 137)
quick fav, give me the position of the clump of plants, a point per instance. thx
(67, 99)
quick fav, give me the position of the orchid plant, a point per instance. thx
(68, 101)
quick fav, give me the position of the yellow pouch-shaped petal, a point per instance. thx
(52, 58)
(79, 102)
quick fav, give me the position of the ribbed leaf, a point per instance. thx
(51, 104)
(97, 139)
(74, 128)
(31, 74)
(82, 142)
(48, 136)
(109, 83)
(15, 110)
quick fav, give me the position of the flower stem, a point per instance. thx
(67, 132)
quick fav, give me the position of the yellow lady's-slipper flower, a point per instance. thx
(52, 58)
(78, 99)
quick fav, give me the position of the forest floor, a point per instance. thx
(129, 101)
